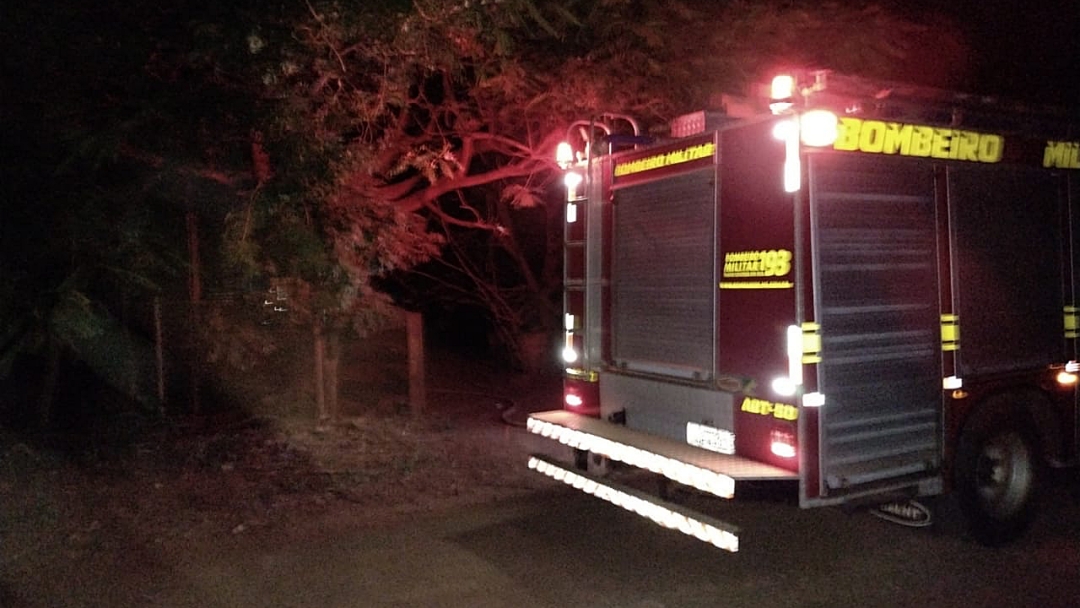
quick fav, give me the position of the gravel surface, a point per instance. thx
(84, 513)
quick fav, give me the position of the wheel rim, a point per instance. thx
(1004, 475)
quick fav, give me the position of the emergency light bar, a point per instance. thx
(564, 155)
(781, 92)
(816, 127)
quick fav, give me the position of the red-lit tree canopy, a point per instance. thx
(337, 141)
(446, 96)
(452, 109)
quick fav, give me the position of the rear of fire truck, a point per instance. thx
(780, 296)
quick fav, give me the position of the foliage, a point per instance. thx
(451, 110)
(336, 141)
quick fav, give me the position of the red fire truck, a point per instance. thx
(870, 289)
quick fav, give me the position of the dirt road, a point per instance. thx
(391, 511)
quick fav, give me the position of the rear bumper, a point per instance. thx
(707, 471)
(675, 460)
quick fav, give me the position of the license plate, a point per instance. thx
(710, 438)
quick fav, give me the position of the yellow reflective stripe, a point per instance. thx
(811, 343)
(582, 374)
(1072, 322)
(950, 332)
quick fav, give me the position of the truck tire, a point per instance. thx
(997, 473)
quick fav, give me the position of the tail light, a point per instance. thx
(581, 395)
(782, 444)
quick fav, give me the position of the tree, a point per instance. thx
(82, 227)
(132, 117)
(332, 142)
(451, 110)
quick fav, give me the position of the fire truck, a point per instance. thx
(868, 291)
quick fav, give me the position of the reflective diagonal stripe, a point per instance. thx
(950, 332)
(811, 343)
(668, 515)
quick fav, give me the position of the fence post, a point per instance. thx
(414, 328)
(319, 343)
(159, 355)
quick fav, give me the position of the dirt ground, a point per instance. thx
(76, 516)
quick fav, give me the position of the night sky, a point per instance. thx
(1024, 49)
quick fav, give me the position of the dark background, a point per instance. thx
(1028, 50)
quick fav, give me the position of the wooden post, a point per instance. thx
(414, 329)
(195, 295)
(332, 363)
(320, 386)
(159, 355)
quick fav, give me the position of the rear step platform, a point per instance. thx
(674, 459)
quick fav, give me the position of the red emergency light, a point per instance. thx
(818, 128)
(781, 92)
